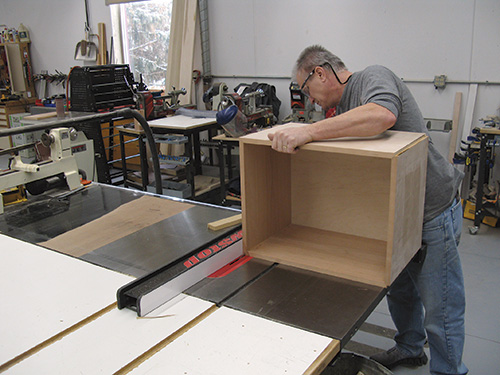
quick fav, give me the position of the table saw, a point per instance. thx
(65, 259)
(100, 278)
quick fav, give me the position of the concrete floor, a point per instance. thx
(480, 256)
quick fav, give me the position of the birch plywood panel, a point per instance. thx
(266, 188)
(332, 253)
(387, 145)
(330, 193)
(406, 224)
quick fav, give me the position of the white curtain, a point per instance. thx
(184, 23)
(181, 48)
(109, 2)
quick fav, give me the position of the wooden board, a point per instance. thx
(469, 111)
(331, 253)
(41, 116)
(44, 293)
(183, 34)
(15, 62)
(102, 56)
(406, 212)
(454, 127)
(266, 188)
(388, 144)
(225, 138)
(358, 202)
(126, 219)
(229, 342)
(489, 131)
(225, 223)
(181, 122)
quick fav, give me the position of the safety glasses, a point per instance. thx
(305, 90)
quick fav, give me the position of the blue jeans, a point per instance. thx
(429, 297)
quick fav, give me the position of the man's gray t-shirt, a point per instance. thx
(377, 84)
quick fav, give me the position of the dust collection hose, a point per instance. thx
(126, 113)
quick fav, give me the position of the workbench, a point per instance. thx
(133, 135)
(225, 143)
(63, 258)
(191, 127)
(485, 134)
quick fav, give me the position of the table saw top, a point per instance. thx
(124, 230)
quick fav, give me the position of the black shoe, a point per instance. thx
(395, 357)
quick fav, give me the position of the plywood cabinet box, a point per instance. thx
(350, 208)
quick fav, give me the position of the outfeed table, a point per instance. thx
(62, 261)
(61, 318)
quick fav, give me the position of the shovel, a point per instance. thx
(85, 49)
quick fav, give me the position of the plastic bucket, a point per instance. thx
(352, 364)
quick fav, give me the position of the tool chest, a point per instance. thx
(103, 87)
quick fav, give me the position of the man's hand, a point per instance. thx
(289, 139)
(363, 121)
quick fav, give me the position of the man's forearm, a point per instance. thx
(364, 121)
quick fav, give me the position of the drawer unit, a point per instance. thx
(9, 108)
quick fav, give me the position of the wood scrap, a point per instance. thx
(224, 223)
(455, 125)
(41, 116)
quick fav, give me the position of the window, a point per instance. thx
(145, 35)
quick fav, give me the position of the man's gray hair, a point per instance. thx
(316, 55)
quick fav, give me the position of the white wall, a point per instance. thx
(262, 38)
(55, 26)
(416, 39)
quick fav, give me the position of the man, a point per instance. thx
(427, 300)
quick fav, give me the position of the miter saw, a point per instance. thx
(250, 115)
(60, 164)
(302, 109)
(156, 105)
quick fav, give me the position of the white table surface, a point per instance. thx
(110, 342)
(230, 342)
(181, 122)
(43, 292)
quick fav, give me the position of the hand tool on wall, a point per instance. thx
(86, 50)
